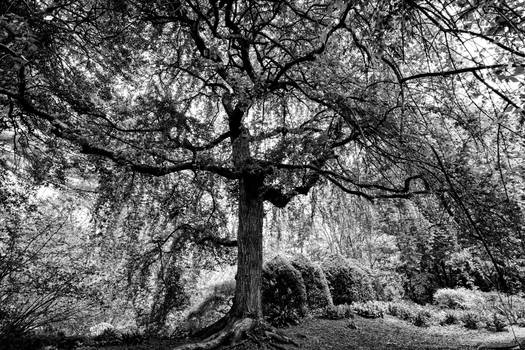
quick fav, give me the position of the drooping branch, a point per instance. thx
(66, 132)
(458, 71)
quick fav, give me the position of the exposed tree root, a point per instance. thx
(212, 329)
(231, 332)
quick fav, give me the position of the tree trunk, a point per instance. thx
(245, 315)
(247, 300)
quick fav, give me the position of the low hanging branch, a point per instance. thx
(221, 241)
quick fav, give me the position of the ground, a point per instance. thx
(381, 334)
(391, 333)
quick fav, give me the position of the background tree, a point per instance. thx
(268, 97)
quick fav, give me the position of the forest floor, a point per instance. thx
(381, 334)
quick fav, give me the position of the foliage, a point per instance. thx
(494, 220)
(423, 318)
(100, 328)
(214, 306)
(369, 309)
(348, 280)
(45, 273)
(388, 285)
(175, 108)
(418, 315)
(451, 317)
(337, 312)
(317, 290)
(495, 306)
(460, 298)
(170, 295)
(109, 336)
(497, 322)
(471, 320)
(284, 292)
(403, 310)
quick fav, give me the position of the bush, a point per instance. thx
(497, 323)
(369, 309)
(132, 337)
(284, 294)
(423, 318)
(388, 285)
(317, 290)
(337, 312)
(460, 298)
(520, 322)
(471, 320)
(451, 317)
(348, 281)
(420, 287)
(109, 336)
(512, 306)
(402, 310)
(100, 328)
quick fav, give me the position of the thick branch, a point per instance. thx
(67, 132)
(455, 72)
(225, 242)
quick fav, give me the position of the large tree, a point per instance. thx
(273, 97)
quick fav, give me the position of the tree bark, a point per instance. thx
(247, 299)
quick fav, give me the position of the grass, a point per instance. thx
(382, 333)
(391, 333)
(384, 325)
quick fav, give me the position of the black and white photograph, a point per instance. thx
(262, 174)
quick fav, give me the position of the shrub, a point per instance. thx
(284, 295)
(100, 328)
(460, 298)
(368, 309)
(451, 317)
(388, 285)
(402, 311)
(347, 280)
(420, 287)
(512, 306)
(108, 337)
(497, 322)
(423, 318)
(131, 337)
(317, 290)
(337, 312)
(520, 322)
(471, 320)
